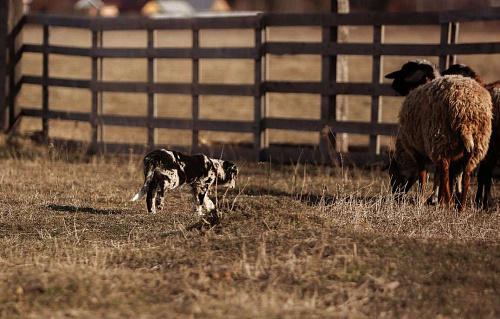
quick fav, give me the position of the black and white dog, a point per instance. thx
(164, 170)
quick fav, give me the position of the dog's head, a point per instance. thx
(227, 173)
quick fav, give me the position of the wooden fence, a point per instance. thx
(328, 88)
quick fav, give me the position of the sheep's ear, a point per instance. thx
(416, 77)
(393, 75)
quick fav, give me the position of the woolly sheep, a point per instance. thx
(412, 75)
(486, 167)
(447, 119)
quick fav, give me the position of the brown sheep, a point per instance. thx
(447, 119)
(486, 167)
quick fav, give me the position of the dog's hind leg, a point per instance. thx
(151, 195)
(160, 193)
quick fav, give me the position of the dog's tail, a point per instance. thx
(149, 177)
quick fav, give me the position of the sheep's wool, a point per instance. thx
(446, 118)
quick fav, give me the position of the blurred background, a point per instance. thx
(286, 67)
(182, 7)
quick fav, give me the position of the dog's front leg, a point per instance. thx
(209, 205)
(199, 194)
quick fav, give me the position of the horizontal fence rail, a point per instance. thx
(260, 149)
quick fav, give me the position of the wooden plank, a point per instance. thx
(223, 22)
(60, 115)
(52, 49)
(61, 82)
(177, 53)
(283, 48)
(225, 126)
(220, 89)
(331, 89)
(276, 48)
(292, 124)
(178, 88)
(367, 128)
(57, 21)
(173, 123)
(226, 89)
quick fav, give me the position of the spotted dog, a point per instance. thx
(165, 169)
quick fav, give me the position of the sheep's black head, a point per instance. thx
(403, 171)
(401, 180)
(463, 70)
(412, 75)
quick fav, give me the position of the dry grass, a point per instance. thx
(293, 241)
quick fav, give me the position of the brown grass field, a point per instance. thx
(293, 241)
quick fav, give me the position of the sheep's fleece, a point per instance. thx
(445, 118)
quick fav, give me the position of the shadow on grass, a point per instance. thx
(87, 210)
(312, 199)
(206, 223)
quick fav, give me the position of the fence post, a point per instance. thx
(195, 95)
(45, 84)
(152, 105)
(445, 39)
(452, 58)
(95, 95)
(261, 139)
(4, 14)
(376, 107)
(328, 77)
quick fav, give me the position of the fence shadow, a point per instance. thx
(87, 210)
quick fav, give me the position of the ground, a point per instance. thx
(291, 241)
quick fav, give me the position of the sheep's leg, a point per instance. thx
(422, 177)
(487, 187)
(444, 190)
(434, 198)
(484, 184)
(481, 176)
(456, 169)
(465, 184)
